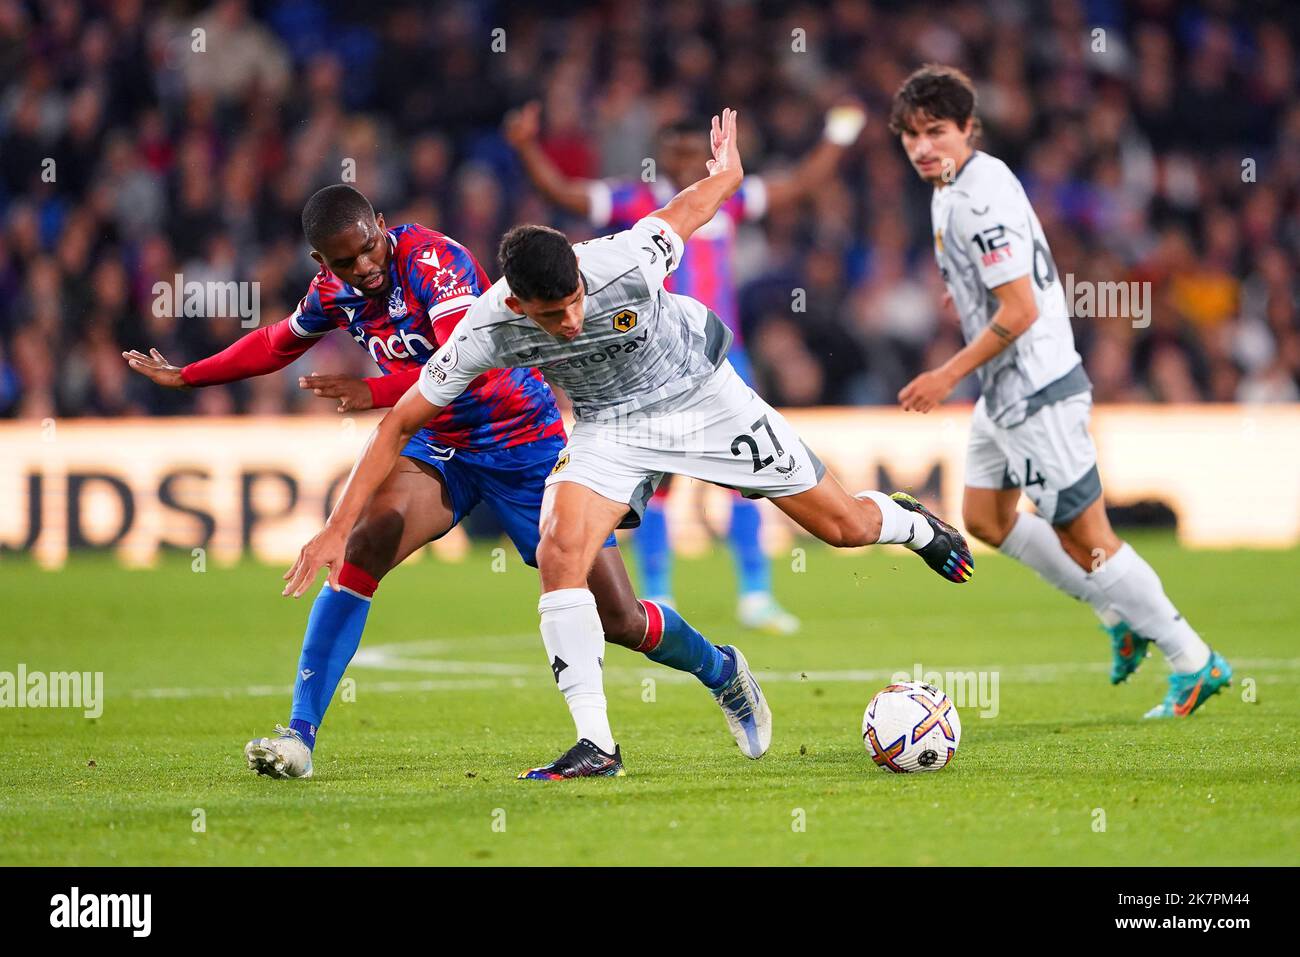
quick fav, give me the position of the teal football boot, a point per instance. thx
(1187, 692)
(1127, 649)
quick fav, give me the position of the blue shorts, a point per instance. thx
(511, 481)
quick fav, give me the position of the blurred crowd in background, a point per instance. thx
(1159, 142)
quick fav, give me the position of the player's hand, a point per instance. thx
(156, 368)
(323, 551)
(726, 152)
(353, 393)
(845, 121)
(926, 391)
(522, 126)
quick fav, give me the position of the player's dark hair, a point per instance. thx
(936, 92)
(333, 209)
(538, 263)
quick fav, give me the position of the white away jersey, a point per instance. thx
(640, 346)
(986, 234)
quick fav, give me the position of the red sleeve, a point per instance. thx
(268, 349)
(385, 390)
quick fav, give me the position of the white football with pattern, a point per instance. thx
(911, 726)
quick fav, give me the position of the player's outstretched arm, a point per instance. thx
(520, 129)
(844, 124)
(1016, 313)
(698, 203)
(156, 368)
(264, 350)
(326, 549)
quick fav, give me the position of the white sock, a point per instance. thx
(1135, 591)
(898, 526)
(1033, 542)
(575, 645)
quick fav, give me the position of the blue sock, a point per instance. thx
(654, 555)
(306, 730)
(681, 647)
(333, 636)
(752, 566)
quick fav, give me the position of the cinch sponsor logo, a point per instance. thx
(103, 910)
(55, 689)
(601, 355)
(400, 345)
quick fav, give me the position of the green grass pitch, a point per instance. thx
(456, 698)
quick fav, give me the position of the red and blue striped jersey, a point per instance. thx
(707, 269)
(434, 281)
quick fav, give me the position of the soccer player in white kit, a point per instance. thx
(653, 393)
(1030, 429)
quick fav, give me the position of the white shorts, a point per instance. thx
(1050, 456)
(723, 433)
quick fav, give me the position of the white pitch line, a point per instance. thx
(486, 675)
(421, 657)
(397, 656)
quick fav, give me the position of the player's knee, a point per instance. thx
(987, 528)
(374, 542)
(559, 554)
(1085, 545)
(1088, 532)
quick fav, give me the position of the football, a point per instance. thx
(911, 726)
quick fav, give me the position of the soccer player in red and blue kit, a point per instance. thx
(400, 292)
(706, 273)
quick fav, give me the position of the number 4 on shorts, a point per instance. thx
(1031, 478)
